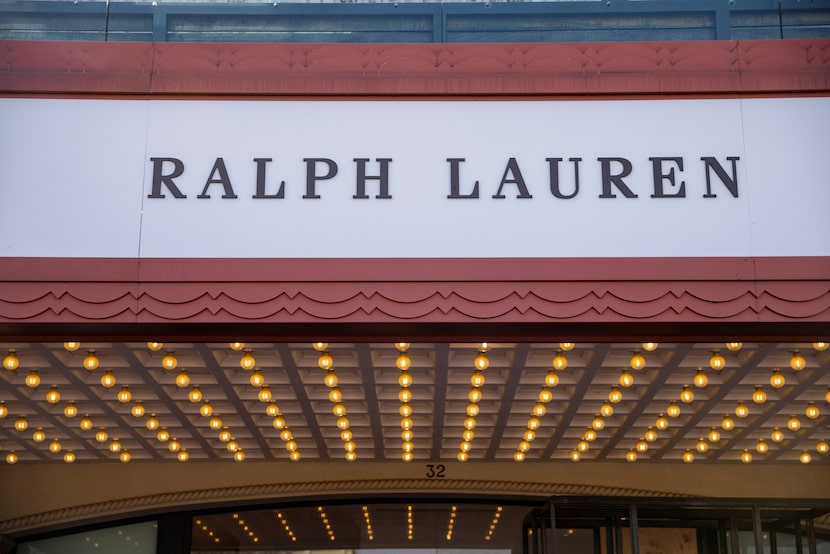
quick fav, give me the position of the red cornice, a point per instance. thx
(706, 68)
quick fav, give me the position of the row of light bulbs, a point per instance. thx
(331, 380)
(209, 532)
(286, 527)
(480, 363)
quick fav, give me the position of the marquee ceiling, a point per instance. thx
(369, 380)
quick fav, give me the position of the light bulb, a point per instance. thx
(11, 361)
(169, 361)
(805, 457)
(225, 435)
(626, 379)
(402, 346)
(777, 435)
(761, 446)
(407, 446)
(519, 456)
(465, 446)
(641, 446)
(566, 346)
(777, 380)
(462, 457)
(342, 423)
(335, 395)
(101, 435)
(11, 458)
(529, 435)
(182, 379)
(70, 410)
(650, 435)
(347, 435)
(701, 446)
(662, 422)
(152, 422)
(108, 379)
(717, 362)
(125, 456)
(264, 394)
(85, 423)
(673, 409)
(477, 379)
(350, 457)
(822, 447)
(650, 346)
(759, 396)
(257, 378)
(403, 362)
(39, 435)
(406, 423)
(545, 395)
(236, 346)
(539, 409)
(598, 424)
(793, 424)
(746, 456)
(21, 424)
(155, 346)
(583, 445)
(727, 424)
(700, 379)
(533, 422)
(475, 395)
(481, 361)
(688, 456)
(163, 435)
(215, 423)
(405, 379)
(4, 410)
(32, 380)
(195, 395)
(338, 409)
(637, 361)
(330, 380)
(325, 361)
(797, 362)
(606, 409)
(294, 456)
(469, 423)
(631, 456)
(560, 362)
(291, 445)
(239, 455)
(53, 396)
(575, 455)
(182, 455)
(69, 457)
(741, 410)
(71, 346)
(206, 410)
(115, 446)
(551, 379)
(686, 395)
(247, 362)
(91, 360)
(734, 346)
(320, 346)
(713, 436)
(174, 445)
(124, 395)
(615, 396)
(812, 411)
(472, 409)
(821, 346)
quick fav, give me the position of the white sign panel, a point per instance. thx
(388, 179)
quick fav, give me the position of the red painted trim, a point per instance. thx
(790, 66)
(419, 291)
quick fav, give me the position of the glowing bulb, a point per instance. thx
(247, 362)
(727, 424)
(650, 346)
(481, 361)
(650, 435)
(533, 423)
(713, 436)
(662, 422)
(11, 458)
(702, 446)
(69, 457)
(155, 346)
(195, 395)
(741, 410)
(469, 423)
(225, 435)
(606, 409)
(402, 346)
(805, 457)
(169, 361)
(777, 380)
(264, 394)
(70, 410)
(468, 434)
(71, 346)
(551, 379)
(777, 435)
(688, 456)
(759, 396)
(700, 379)
(292, 445)
(598, 424)
(325, 361)
(32, 380)
(475, 395)
(821, 346)
(812, 411)
(717, 362)
(39, 435)
(641, 446)
(85, 423)
(53, 396)
(405, 379)
(174, 445)
(124, 395)
(206, 410)
(583, 445)
(465, 446)
(101, 435)
(163, 435)
(631, 456)
(319, 346)
(477, 380)
(797, 362)
(734, 346)
(545, 395)
(637, 361)
(615, 396)
(673, 409)
(560, 362)
(152, 422)
(21, 424)
(529, 435)
(11, 361)
(239, 455)
(115, 446)
(472, 409)
(575, 455)
(403, 362)
(462, 457)
(626, 379)
(793, 424)
(4, 411)
(822, 447)
(746, 456)
(236, 346)
(294, 456)
(108, 379)
(519, 456)
(91, 360)
(761, 447)
(125, 456)
(686, 395)
(215, 423)
(343, 423)
(338, 409)
(182, 379)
